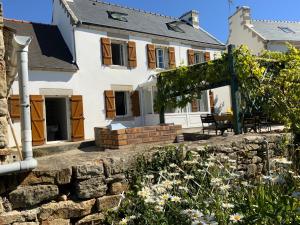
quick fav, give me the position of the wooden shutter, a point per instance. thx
(151, 56)
(207, 56)
(37, 119)
(106, 51)
(14, 106)
(110, 104)
(132, 54)
(212, 102)
(191, 54)
(77, 119)
(135, 103)
(172, 63)
(194, 105)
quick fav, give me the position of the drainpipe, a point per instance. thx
(20, 44)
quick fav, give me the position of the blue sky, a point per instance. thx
(213, 13)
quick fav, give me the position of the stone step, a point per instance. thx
(51, 149)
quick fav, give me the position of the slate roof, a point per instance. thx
(47, 50)
(270, 30)
(95, 13)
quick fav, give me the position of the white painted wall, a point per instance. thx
(240, 32)
(93, 78)
(61, 18)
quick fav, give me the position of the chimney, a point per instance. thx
(192, 18)
(245, 13)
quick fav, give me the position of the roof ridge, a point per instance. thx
(275, 21)
(28, 22)
(135, 9)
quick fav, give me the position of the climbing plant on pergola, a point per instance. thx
(270, 82)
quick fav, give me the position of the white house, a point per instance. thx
(94, 66)
(261, 35)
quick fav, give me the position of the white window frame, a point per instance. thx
(201, 55)
(165, 57)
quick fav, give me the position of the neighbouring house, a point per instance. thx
(261, 35)
(95, 65)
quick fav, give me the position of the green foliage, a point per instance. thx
(196, 188)
(269, 83)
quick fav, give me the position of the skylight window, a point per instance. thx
(286, 29)
(117, 16)
(174, 26)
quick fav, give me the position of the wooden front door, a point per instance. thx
(77, 119)
(37, 119)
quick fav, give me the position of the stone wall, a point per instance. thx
(3, 90)
(115, 139)
(81, 194)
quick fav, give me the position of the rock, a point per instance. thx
(108, 202)
(114, 166)
(28, 196)
(3, 107)
(56, 222)
(59, 177)
(94, 219)
(88, 171)
(19, 216)
(91, 188)
(2, 210)
(66, 210)
(254, 139)
(116, 178)
(256, 159)
(3, 132)
(63, 198)
(27, 223)
(117, 188)
(251, 169)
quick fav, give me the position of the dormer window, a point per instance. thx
(117, 16)
(286, 29)
(174, 26)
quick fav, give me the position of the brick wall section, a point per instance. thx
(115, 139)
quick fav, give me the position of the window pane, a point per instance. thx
(160, 58)
(117, 54)
(120, 98)
(203, 102)
(147, 101)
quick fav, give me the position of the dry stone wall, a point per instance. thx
(3, 90)
(81, 194)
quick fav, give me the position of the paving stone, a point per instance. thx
(28, 196)
(66, 210)
(91, 188)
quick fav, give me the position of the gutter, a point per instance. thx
(20, 54)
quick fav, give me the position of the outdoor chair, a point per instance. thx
(264, 123)
(212, 124)
(250, 123)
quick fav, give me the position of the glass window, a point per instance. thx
(117, 16)
(199, 57)
(286, 29)
(117, 54)
(147, 101)
(202, 103)
(160, 58)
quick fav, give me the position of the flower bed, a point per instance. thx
(196, 188)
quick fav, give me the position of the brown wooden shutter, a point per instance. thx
(212, 101)
(194, 105)
(151, 56)
(14, 106)
(110, 104)
(135, 103)
(106, 51)
(77, 119)
(132, 54)
(172, 62)
(37, 119)
(191, 54)
(207, 56)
